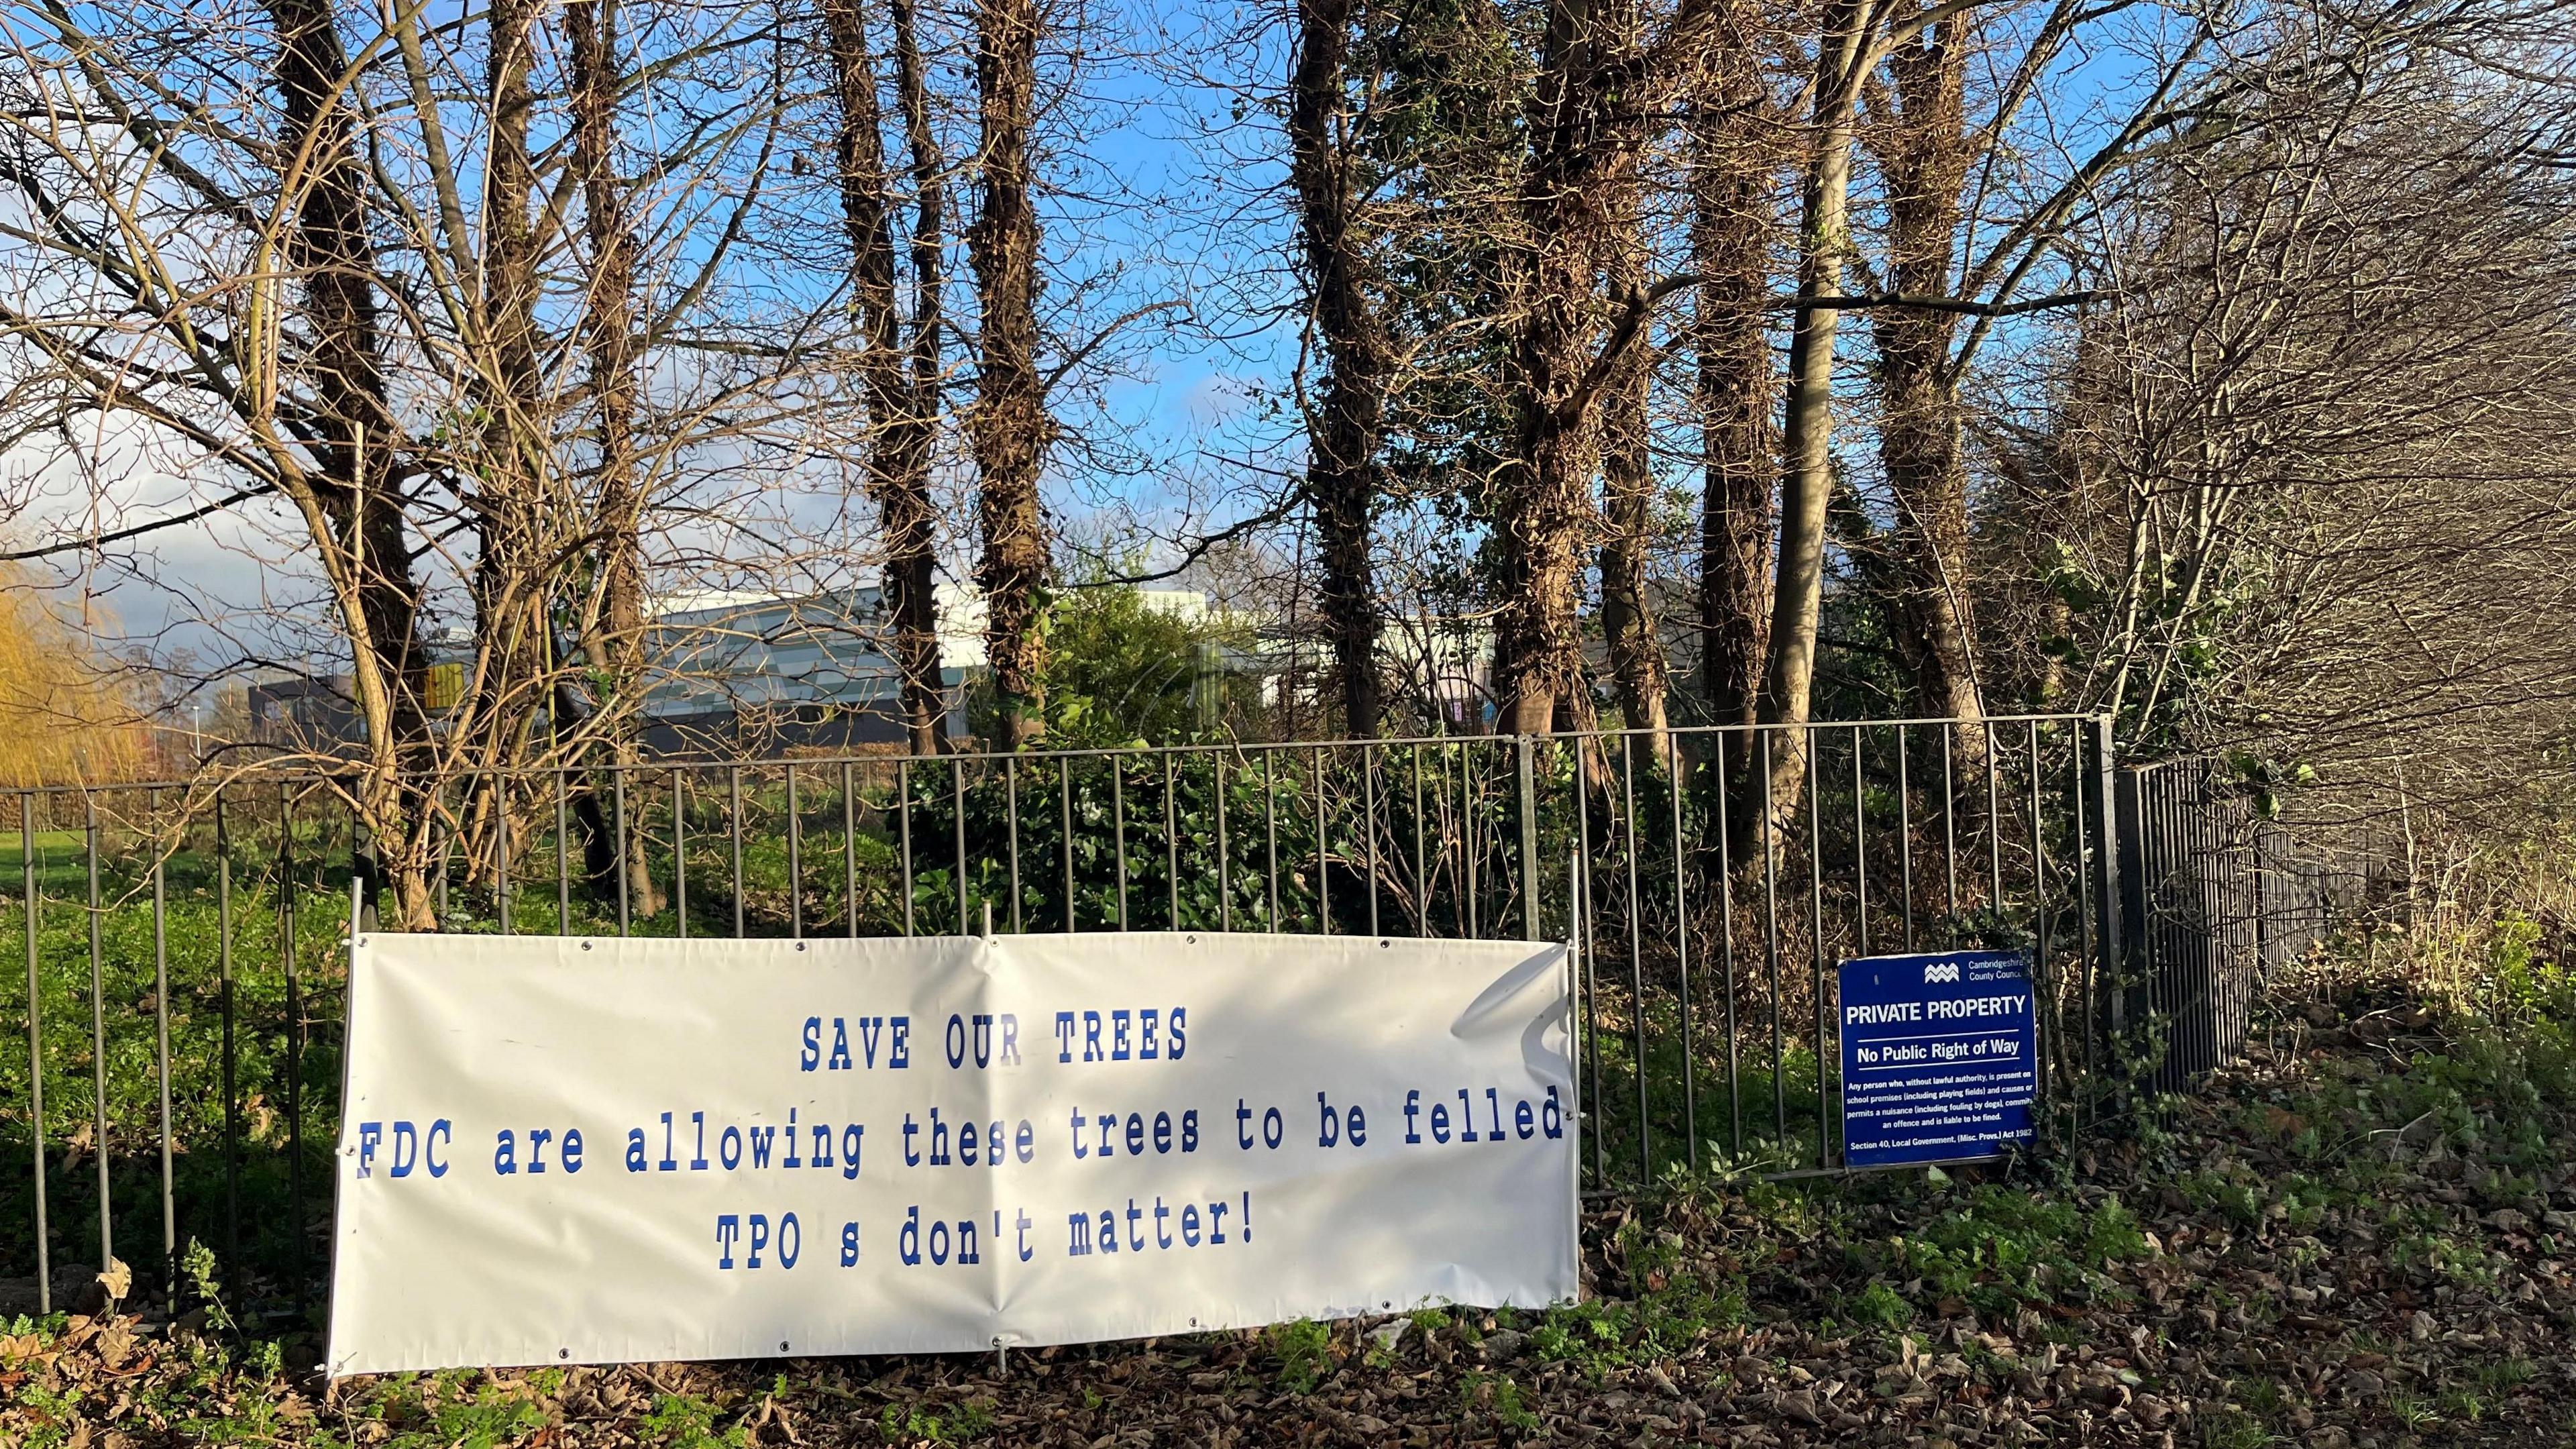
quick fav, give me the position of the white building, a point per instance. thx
(746, 672)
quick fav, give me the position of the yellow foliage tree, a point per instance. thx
(67, 717)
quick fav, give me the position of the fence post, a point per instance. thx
(2262, 911)
(98, 1034)
(35, 1051)
(2142, 865)
(2109, 989)
(1529, 837)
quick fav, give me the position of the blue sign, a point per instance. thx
(1940, 1056)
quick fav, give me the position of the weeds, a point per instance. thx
(685, 1421)
(962, 1424)
(1304, 1349)
(2411, 1411)
(1500, 1397)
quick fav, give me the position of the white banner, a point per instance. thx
(563, 1150)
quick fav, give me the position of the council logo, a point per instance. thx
(1941, 971)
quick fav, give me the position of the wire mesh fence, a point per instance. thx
(178, 1076)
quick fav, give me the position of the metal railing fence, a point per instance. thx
(185, 961)
(2218, 896)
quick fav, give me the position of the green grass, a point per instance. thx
(59, 861)
(120, 1005)
(2504, 1375)
(2411, 1411)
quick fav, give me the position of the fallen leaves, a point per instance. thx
(2222, 1279)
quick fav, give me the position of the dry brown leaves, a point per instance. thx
(2429, 1305)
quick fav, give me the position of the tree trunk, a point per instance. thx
(1628, 497)
(1544, 514)
(1591, 104)
(1806, 488)
(1546, 517)
(510, 605)
(900, 381)
(1925, 155)
(612, 635)
(1732, 231)
(916, 434)
(352, 494)
(1341, 483)
(1009, 429)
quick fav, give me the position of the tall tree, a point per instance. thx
(1806, 488)
(610, 626)
(1009, 427)
(1925, 150)
(513, 462)
(1588, 115)
(1341, 482)
(1630, 498)
(900, 378)
(1734, 223)
(1933, 160)
(349, 493)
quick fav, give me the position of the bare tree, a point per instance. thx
(351, 507)
(1734, 224)
(1925, 151)
(330, 255)
(508, 498)
(109, 189)
(611, 634)
(1842, 57)
(454, 416)
(901, 378)
(1009, 426)
(1935, 313)
(2313, 455)
(1943, 186)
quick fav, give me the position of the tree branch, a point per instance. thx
(1082, 354)
(1965, 306)
(244, 495)
(1199, 548)
(1631, 324)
